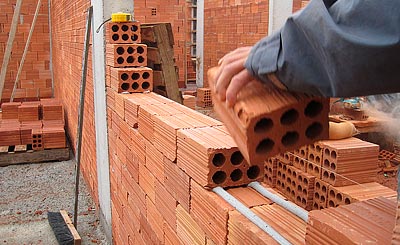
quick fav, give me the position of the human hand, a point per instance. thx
(232, 76)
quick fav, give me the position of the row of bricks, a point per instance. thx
(178, 133)
(125, 32)
(123, 55)
(131, 80)
(32, 111)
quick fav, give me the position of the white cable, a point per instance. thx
(291, 207)
(251, 215)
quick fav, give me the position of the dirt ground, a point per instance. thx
(29, 191)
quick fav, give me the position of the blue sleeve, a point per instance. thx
(343, 48)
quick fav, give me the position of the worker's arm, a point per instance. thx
(334, 48)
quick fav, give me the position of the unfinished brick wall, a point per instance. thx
(35, 79)
(228, 26)
(68, 22)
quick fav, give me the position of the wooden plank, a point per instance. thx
(71, 227)
(163, 39)
(34, 157)
(158, 79)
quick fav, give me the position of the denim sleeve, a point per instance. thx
(343, 48)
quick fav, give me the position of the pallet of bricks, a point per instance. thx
(38, 125)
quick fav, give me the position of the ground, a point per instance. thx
(28, 191)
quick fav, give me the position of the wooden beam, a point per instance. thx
(10, 43)
(34, 157)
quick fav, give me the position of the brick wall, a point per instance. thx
(299, 4)
(35, 79)
(229, 26)
(177, 12)
(68, 23)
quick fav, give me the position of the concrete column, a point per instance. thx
(102, 11)
(279, 11)
(200, 44)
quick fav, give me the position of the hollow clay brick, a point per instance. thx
(126, 32)
(174, 175)
(10, 136)
(266, 121)
(126, 55)
(320, 194)
(54, 137)
(10, 110)
(371, 220)
(187, 229)
(132, 80)
(270, 171)
(211, 157)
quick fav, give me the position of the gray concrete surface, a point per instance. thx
(29, 191)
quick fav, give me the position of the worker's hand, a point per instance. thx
(232, 75)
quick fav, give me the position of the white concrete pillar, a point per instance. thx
(200, 44)
(102, 11)
(279, 11)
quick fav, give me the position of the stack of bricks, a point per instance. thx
(35, 78)
(38, 123)
(351, 181)
(204, 97)
(126, 59)
(189, 101)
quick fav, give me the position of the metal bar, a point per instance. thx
(28, 41)
(291, 207)
(81, 110)
(250, 215)
(10, 43)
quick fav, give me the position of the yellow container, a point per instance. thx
(121, 17)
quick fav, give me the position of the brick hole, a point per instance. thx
(135, 85)
(316, 195)
(124, 27)
(125, 86)
(124, 76)
(323, 198)
(290, 138)
(286, 156)
(278, 182)
(280, 165)
(219, 177)
(120, 50)
(39, 145)
(310, 166)
(141, 59)
(300, 178)
(39, 136)
(237, 158)
(120, 60)
(284, 176)
(339, 197)
(333, 166)
(34, 145)
(135, 76)
(298, 199)
(305, 181)
(115, 37)
(34, 136)
(289, 180)
(313, 108)
(332, 194)
(324, 189)
(263, 125)
(253, 172)
(318, 148)
(236, 175)
(114, 28)
(270, 170)
(284, 167)
(288, 189)
(299, 189)
(145, 85)
(289, 117)
(331, 204)
(292, 193)
(303, 201)
(270, 179)
(317, 186)
(125, 37)
(218, 159)
(34, 141)
(305, 192)
(130, 59)
(283, 185)
(145, 75)
(293, 183)
(302, 164)
(326, 174)
(289, 171)
(316, 170)
(130, 50)
(140, 50)
(327, 164)
(327, 152)
(314, 130)
(294, 174)
(134, 38)
(303, 152)
(297, 160)
(347, 200)
(279, 174)
(315, 206)
(333, 154)
(265, 146)
(317, 159)
(134, 28)
(332, 177)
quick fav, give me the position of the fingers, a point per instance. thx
(237, 83)
(225, 75)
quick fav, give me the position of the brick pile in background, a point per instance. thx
(328, 173)
(35, 79)
(39, 123)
